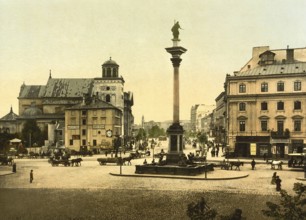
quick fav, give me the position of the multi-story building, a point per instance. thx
(93, 124)
(219, 130)
(198, 112)
(47, 103)
(264, 101)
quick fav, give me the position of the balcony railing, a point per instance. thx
(280, 134)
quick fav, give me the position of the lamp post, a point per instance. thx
(120, 148)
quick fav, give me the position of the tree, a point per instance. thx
(202, 138)
(31, 133)
(141, 135)
(156, 131)
(290, 207)
(5, 141)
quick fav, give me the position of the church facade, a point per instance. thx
(47, 104)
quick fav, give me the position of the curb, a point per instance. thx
(178, 177)
(300, 178)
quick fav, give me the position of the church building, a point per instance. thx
(48, 103)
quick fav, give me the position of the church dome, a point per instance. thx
(110, 62)
(32, 111)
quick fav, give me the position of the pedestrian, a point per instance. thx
(145, 162)
(273, 178)
(253, 163)
(278, 183)
(31, 176)
(264, 156)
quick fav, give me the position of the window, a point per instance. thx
(264, 125)
(297, 105)
(264, 106)
(297, 125)
(242, 88)
(280, 86)
(109, 72)
(241, 125)
(107, 98)
(94, 142)
(280, 126)
(84, 142)
(242, 106)
(84, 113)
(71, 142)
(83, 131)
(83, 121)
(280, 105)
(297, 86)
(264, 87)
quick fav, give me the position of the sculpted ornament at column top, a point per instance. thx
(175, 30)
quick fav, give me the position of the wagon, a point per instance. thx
(55, 162)
(104, 161)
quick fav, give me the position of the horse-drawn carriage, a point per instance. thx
(6, 160)
(230, 165)
(65, 161)
(104, 161)
(117, 160)
(276, 165)
(56, 162)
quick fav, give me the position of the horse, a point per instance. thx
(278, 164)
(76, 161)
(237, 164)
(128, 160)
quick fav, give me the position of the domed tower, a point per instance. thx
(110, 88)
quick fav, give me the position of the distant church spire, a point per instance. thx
(11, 109)
(50, 76)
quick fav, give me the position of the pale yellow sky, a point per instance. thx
(74, 37)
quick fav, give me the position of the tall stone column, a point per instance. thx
(175, 131)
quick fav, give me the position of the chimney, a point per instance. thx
(290, 55)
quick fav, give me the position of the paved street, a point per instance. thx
(88, 191)
(92, 175)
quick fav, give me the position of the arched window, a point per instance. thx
(107, 98)
(109, 72)
(103, 72)
(115, 72)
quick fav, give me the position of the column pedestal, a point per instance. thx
(175, 150)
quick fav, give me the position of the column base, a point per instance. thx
(175, 148)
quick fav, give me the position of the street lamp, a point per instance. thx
(120, 160)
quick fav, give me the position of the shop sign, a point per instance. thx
(73, 127)
(253, 149)
(280, 141)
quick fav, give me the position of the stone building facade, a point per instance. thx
(265, 101)
(93, 124)
(47, 103)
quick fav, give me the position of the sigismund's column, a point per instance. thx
(175, 131)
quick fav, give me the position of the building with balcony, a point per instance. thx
(264, 113)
